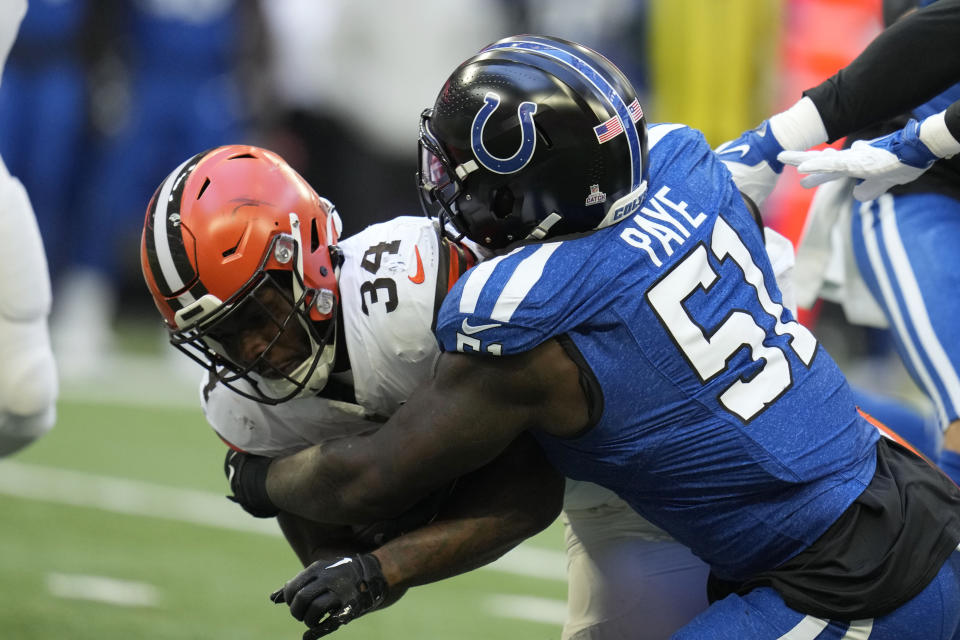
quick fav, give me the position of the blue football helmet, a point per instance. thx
(534, 137)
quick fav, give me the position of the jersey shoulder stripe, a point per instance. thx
(656, 132)
(525, 273)
(508, 303)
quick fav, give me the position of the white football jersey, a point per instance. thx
(391, 287)
(393, 278)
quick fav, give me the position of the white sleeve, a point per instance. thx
(28, 378)
(780, 251)
(24, 277)
(281, 429)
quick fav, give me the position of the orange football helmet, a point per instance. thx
(237, 245)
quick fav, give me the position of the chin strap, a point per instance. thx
(544, 227)
(465, 169)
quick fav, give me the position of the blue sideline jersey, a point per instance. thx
(723, 421)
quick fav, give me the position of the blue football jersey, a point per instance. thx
(723, 420)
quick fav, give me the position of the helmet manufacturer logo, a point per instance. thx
(596, 196)
(528, 141)
(419, 276)
(174, 219)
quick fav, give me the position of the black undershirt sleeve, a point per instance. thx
(909, 63)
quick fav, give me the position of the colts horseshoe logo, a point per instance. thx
(528, 143)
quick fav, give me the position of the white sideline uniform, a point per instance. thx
(626, 578)
(28, 379)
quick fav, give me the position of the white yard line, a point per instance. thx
(530, 608)
(159, 382)
(131, 497)
(123, 593)
(138, 381)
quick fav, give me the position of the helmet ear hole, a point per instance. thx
(206, 183)
(314, 236)
(503, 201)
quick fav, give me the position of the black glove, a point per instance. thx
(247, 475)
(327, 594)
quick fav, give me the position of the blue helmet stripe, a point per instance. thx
(607, 90)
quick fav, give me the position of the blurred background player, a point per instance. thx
(901, 242)
(28, 379)
(166, 78)
(92, 85)
(895, 244)
(44, 113)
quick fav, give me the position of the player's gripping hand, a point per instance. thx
(752, 159)
(327, 595)
(883, 162)
(880, 163)
(247, 475)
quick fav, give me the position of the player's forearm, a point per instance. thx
(444, 549)
(313, 541)
(461, 420)
(364, 479)
(336, 482)
(909, 63)
(491, 511)
(458, 422)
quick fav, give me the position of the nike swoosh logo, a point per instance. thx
(339, 562)
(470, 329)
(419, 276)
(743, 149)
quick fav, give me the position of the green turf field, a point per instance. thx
(115, 527)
